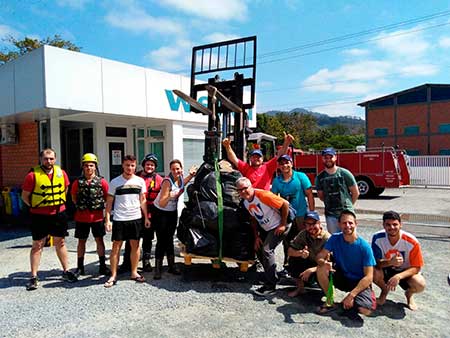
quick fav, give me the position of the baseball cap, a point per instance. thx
(329, 151)
(312, 214)
(256, 152)
(284, 157)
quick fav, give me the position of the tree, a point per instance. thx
(28, 44)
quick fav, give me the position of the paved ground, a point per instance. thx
(218, 303)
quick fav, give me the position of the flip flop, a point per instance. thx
(139, 279)
(325, 309)
(110, 283)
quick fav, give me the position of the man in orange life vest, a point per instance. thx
(44, 191)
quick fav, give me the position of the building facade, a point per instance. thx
(78, 103)
(416, 119)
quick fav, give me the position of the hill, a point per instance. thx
(324, 120)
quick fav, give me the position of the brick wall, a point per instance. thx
(17, 159)
(440, 114)
(412, 115)
(380, 118)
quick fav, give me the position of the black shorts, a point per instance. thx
(43, 225)
(82, 229)
(297, 265)
(389, 272)
(123, 230)
(366, 298)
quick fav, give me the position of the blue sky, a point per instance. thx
(326, 55)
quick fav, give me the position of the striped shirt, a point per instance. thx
(265, 208)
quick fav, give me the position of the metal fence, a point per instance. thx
(430, 170)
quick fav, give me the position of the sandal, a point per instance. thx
(110, 283)
(325, 309)
(138, 279)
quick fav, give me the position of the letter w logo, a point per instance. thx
(174, 102)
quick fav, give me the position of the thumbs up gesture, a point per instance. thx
(397, 259)
(305, 252)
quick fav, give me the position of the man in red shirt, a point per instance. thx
(89, 193)
(259, 173)
(44, 191)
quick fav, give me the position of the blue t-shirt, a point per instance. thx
(293, 190)
(351, 258)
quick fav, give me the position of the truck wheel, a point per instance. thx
(378, 191)
(365, 187)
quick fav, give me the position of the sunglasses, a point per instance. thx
(242, 189)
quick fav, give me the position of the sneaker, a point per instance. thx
(79, 272)
(265, 290)
(33, 284)
(104, 270)
(69, 276)
(283, 274)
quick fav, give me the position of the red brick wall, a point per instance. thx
(440, 114)
(419, 143)
(376, 142)
(17, 159)
(380, 118)
(412, 115)
(438, 142)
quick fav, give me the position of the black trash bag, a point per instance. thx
(230, 195)
(202, 243)
(204, 215)
(239, 245)
(183, 225)
(202, 171)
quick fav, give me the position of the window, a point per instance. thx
(193, 153)
(382, 103)
(444, 128)
(380, 131)
(412, 152)
(411, 130)
(116, 132)
(44, 134)
(444, 152)
(148, 141)
(440, 93)
(413, 97)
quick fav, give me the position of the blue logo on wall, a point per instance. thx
(175, 102)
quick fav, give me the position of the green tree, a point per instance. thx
(21, 47)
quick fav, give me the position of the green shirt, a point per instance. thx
(336, 191)
(314, 244)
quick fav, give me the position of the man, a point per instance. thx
(353, 267)
(89, 193)
(127, 194)
(399, 260)
(44, 191)
(303, 251)
(337, 188)
(270, 212)
(260, 174)
(293, 186)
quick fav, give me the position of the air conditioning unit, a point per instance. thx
(8, 133)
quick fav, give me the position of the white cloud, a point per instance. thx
(409, 44)
(444, 42)
(172, 58)
(6, 31)
(137, 20)
(418, 70)
(212, 9)
(339, 109)
(75, 4)
(355, 78)
(356, 52)
(217, 37)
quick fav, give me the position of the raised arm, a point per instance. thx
(288, 138)
(231, 155)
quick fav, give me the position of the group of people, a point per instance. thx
(338, 256)
(139, 204)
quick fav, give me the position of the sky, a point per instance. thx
(326, 56)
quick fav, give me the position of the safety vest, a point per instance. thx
(48, 193)
(90, 196)
(153, 183)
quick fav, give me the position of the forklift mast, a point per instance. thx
(215, 69)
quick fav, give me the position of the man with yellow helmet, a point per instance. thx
(44, 191)
(89, 193)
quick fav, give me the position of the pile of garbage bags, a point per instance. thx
(198, 227)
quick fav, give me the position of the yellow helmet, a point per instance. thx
(89, 157)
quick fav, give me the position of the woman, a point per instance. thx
(165, 217)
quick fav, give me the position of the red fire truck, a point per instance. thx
(374, 168)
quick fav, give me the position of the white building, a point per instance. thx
(81, 103)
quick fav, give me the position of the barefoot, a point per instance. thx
(410, 301)
(364, 311)
(382, 299)
(296, 292)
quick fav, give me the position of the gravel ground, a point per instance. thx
(203, 302)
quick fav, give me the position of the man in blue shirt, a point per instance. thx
(352, 265)
(293, 186)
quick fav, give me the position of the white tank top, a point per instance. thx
(174, 188)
